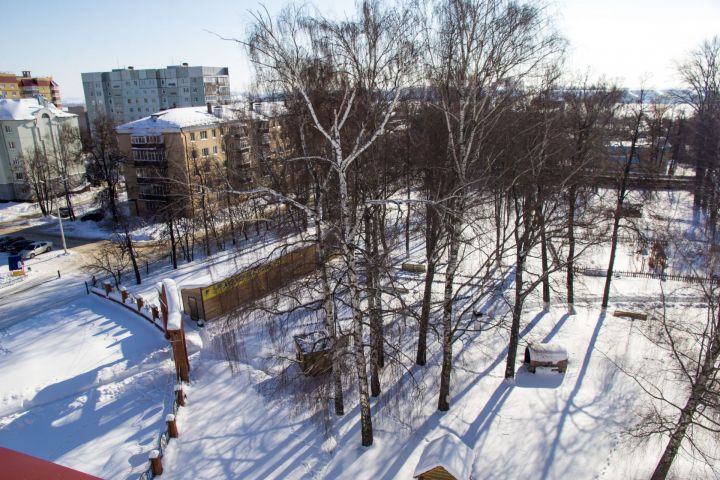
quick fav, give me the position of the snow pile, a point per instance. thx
(13, 210)
(450, 453)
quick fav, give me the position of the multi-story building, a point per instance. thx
(33, 128)
(127, 94)
(173, 154)
(14, 87)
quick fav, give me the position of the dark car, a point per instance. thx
(94, 216)
(64, 212)
(16, 247)
(6, 241)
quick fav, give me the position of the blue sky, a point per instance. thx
(626, 40)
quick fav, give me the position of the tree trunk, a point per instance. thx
(443, 402)
(516, 315)
(371, 287)
(330, 323)
(431, 235)
(572, 201)
(173, 243)
(544, 259)
(366, 431)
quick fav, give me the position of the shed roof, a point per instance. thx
(448, 452)
(547, 352)
(19, 465)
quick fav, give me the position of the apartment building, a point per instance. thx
(128, 94)
(173, 154)
(15, 87)
(29, 126)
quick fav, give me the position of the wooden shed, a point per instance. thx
(546, 355)
(212, 300)
(445, 458)
(312, 351)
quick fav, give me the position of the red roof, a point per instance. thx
(18, 466)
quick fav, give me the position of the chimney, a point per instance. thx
(184, 64)
(131, 68)
(26, 73)
(209, 108)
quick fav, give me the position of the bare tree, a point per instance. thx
(632, 125)
(701, 74)
(478, 52)
(105, 162)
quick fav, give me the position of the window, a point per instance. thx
(203, 135)
(192, 136)
(8, 129)
(129, 100)
(215, 150)
(213, 133)
(18, 176)
(11, 145)
(205, 152)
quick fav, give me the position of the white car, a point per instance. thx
(35, 248)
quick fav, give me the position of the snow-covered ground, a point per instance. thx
(84, 385)
(98, 403)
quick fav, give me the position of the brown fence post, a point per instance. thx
(140, 302)
(108, 288)
(171, 425)
(155, 312)
(155, 463)
(182, 366)
(180, 395)
(124, 294)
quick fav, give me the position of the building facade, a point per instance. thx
(33, 128)
(15, 87)
(127, 94)
(174, 156)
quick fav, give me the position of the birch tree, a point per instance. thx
(368, 59)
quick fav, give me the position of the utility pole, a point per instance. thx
(62, 232)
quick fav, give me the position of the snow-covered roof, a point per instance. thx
(176, 119)
(174, 304)
(547, 352)
(448, 452)
(28, 109)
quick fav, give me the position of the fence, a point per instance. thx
(162, 442)
(593, 272)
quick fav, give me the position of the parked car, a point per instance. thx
(7, 240)
(95, 216)
(15, 247)
(35, 248)
(64, 212)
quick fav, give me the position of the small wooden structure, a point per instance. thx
(633, 315)
(209, 301)
(312, 351)
(413, 267)
(631, 210)
(445, 458)
(546, 355)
